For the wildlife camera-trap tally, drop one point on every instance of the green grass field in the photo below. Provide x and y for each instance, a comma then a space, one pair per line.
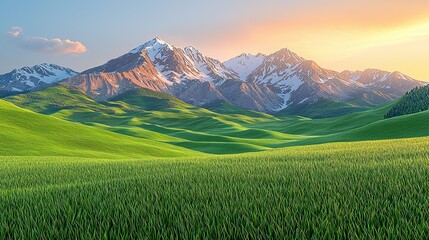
340, 190
145, 165
153, 116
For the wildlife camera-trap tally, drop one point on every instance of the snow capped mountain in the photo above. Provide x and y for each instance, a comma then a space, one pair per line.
173, 64
298, 80
259, 82
393, 83
177, 64
245, 64
153, 46
278, 69
374, 77
185, 73
28, 78
282, 71
301, 81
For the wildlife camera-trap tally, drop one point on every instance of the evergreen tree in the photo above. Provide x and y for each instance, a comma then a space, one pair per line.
417, 100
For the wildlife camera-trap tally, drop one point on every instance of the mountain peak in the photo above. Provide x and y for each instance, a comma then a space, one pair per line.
44, 66
155, 43
399, 75
158, 40
245, 64
194, 54
250, 55
48, 65
287, 56
245, 55
287, 52
192, 50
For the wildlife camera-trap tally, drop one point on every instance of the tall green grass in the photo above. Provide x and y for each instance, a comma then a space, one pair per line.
359, 190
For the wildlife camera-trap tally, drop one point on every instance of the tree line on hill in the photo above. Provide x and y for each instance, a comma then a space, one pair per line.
414, 101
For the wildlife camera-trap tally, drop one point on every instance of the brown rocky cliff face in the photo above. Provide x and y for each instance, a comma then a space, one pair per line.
103, 85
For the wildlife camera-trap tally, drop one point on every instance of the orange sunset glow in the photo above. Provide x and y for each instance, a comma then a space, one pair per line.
390, 35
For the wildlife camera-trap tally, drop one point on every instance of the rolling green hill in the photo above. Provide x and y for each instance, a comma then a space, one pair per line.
221, 129
323, 108
149, 100
151, 115
25, 133
60, 97
224, 107
414, 125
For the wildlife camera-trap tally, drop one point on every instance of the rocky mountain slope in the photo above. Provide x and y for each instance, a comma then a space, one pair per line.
185, 73
300, 81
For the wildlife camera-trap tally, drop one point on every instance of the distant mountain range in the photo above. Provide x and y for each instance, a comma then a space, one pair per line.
36, 77
267, 83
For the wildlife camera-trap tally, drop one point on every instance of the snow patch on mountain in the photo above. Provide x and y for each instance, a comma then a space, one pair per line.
245, 64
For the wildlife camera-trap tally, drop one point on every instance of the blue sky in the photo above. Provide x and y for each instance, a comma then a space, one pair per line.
338, 34
109, 28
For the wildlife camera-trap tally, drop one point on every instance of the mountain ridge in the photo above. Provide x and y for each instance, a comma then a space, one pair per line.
30, 78
267, 83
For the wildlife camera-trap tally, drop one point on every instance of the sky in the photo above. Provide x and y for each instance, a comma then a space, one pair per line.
391, 35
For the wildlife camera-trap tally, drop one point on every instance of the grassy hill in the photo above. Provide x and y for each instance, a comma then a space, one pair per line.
149, 100
224, 107
25, 133
159, 117
57, 98
323, 108
401, 127
148, 115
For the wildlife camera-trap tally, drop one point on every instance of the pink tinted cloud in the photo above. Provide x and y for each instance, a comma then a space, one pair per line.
45, 45
55, 45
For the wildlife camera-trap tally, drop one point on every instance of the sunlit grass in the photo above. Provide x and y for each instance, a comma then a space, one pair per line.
374, 189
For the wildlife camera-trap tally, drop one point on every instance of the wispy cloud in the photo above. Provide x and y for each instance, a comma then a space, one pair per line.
15, 32
45, 45
56, 45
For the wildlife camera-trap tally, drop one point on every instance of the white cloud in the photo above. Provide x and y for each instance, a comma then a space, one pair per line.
45, 45
15, 32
